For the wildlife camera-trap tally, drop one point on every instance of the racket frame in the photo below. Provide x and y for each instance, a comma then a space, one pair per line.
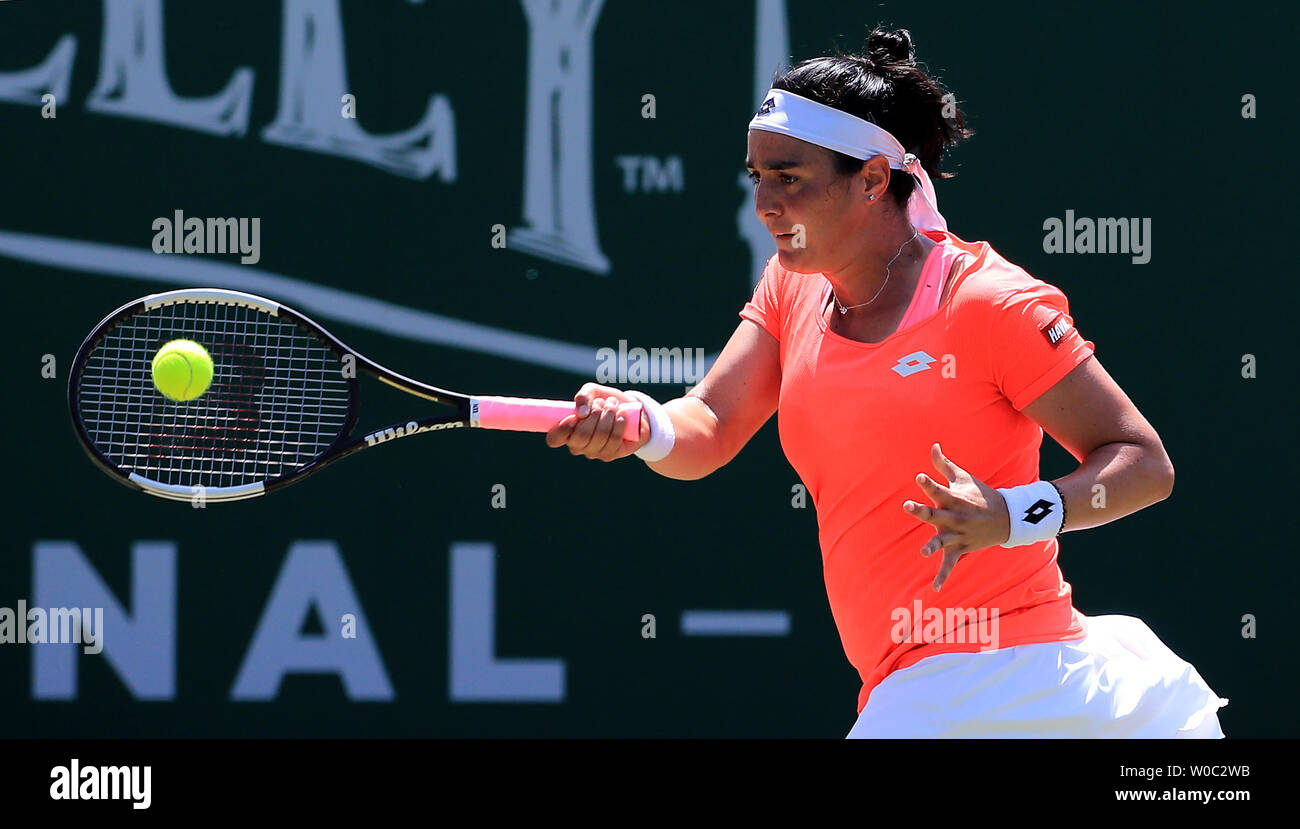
344, 445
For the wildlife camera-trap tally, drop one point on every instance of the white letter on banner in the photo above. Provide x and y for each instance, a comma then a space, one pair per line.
474, 672
313, 574
559, 213
313, 80
133, 78
141, 649
54, 74
771, 54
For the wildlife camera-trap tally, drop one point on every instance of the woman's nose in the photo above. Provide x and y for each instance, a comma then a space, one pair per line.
765, 202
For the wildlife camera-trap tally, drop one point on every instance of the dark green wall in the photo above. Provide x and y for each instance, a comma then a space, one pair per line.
1138, 116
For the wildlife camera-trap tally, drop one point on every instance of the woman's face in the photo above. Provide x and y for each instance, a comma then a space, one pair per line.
795, 185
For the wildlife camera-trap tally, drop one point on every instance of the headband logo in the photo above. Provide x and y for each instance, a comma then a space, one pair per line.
767, 106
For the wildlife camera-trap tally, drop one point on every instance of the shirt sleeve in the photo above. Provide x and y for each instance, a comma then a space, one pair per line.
764, 307
1034, 342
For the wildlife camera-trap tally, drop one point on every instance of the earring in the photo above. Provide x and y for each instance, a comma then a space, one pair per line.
872, 197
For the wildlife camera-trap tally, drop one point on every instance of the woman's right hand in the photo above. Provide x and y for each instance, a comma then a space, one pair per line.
598, 433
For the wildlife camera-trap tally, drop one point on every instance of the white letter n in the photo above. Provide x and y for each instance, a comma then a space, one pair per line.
142, 650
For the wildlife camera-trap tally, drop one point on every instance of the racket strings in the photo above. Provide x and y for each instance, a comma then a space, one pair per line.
278, 397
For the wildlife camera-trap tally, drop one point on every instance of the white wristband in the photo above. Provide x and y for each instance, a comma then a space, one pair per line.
1036, 512
662, 435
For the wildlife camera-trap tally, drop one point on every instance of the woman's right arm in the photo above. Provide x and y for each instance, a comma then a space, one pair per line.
713, 421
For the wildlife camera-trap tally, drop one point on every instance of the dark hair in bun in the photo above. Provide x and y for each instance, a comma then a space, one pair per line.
885, 86
894, 47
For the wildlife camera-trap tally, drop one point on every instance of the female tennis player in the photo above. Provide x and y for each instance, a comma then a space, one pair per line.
914, 373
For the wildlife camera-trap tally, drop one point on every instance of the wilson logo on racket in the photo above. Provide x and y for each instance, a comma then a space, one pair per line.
411, 428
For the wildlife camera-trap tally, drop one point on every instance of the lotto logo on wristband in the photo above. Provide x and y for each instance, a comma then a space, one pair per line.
1027, 507
1040, 510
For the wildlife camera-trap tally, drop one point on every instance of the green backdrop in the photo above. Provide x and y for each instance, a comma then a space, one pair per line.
1139, 116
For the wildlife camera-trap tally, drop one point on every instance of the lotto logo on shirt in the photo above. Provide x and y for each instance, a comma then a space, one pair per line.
912, 363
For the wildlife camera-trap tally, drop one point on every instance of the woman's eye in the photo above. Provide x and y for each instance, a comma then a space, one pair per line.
787, 179
753, 178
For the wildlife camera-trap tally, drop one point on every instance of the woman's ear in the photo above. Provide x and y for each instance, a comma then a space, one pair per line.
874, 177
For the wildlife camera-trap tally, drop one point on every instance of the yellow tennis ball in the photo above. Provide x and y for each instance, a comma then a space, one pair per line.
182, 370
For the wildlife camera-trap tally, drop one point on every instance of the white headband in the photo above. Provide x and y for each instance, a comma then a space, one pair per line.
834, 129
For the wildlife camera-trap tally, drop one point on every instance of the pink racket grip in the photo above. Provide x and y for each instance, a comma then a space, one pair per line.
522, 414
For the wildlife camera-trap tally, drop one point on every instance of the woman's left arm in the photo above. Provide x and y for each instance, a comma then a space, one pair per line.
1123, 469
1124, 466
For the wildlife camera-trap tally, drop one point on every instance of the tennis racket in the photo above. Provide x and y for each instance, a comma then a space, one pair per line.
282, 405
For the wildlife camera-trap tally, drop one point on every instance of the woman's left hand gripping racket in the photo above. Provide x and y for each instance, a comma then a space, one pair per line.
282, 403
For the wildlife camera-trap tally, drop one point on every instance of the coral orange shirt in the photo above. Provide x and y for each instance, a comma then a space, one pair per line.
857, 420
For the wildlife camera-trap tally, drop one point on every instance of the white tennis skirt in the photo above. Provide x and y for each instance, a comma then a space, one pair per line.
1120, 681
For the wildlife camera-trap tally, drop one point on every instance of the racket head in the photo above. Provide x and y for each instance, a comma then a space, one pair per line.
279, 403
